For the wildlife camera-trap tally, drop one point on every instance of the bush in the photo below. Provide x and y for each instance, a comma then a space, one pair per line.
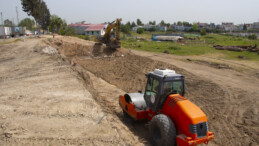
85, 37
203, 32
62, 32
140, 30
252, 37
152, 29
69, 31
174, 48
170, 30
125, 29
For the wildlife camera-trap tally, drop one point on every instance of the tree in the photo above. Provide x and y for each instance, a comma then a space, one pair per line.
154, 22
203, 32
179, 23
186, 24
27, 22
133, 24
195, 27
167, 25
162, 23
152, 29
69, 31
37, 9
139, 22
245, 27
8, 22
56, 23
140, 30
125, 28
170, 30
252, 37
128, 24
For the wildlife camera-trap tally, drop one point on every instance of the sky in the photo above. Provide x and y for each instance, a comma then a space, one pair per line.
99, 11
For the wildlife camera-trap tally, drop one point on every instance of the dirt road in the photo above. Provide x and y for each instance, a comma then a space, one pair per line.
45, 102
60, 99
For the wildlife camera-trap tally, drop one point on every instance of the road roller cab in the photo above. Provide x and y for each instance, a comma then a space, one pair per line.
173, 118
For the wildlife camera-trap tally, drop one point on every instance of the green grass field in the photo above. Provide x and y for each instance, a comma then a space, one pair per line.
202, 46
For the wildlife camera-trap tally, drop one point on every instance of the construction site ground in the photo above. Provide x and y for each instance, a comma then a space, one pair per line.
64, 91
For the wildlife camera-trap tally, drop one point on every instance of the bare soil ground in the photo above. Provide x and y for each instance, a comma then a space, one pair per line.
86, 80
45, 102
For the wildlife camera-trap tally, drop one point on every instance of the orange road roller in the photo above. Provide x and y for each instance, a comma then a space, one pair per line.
173, 119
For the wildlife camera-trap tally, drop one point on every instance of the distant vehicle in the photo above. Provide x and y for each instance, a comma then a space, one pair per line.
18, 31
29, 33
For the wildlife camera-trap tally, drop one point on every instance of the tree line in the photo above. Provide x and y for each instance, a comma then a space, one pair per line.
41, 14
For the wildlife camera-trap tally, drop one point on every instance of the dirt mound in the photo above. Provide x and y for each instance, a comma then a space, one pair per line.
86, 49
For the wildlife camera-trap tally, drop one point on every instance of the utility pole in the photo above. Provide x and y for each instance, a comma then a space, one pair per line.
17, 15
13, 22
3, 27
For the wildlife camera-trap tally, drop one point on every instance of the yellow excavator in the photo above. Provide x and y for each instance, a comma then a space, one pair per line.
111, 42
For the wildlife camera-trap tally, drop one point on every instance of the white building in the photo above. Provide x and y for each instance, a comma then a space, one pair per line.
5, 31
228, 26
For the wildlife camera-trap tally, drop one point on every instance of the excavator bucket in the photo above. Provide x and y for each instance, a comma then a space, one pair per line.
114, 44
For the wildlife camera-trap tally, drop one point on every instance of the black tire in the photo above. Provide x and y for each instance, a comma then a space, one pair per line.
125, 114
162, 131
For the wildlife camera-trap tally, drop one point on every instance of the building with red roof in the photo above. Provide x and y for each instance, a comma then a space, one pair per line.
89, 29
96, 29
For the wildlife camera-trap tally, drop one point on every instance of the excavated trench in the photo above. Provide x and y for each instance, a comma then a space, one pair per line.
125, 72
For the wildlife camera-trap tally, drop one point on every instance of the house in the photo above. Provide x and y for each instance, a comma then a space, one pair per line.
228, 26
240, 27
162, 28
203, 25
211, 26
219, 27
79, 28
249, 26
255, 26
157, 27
89, 29
96, 29
181, 28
